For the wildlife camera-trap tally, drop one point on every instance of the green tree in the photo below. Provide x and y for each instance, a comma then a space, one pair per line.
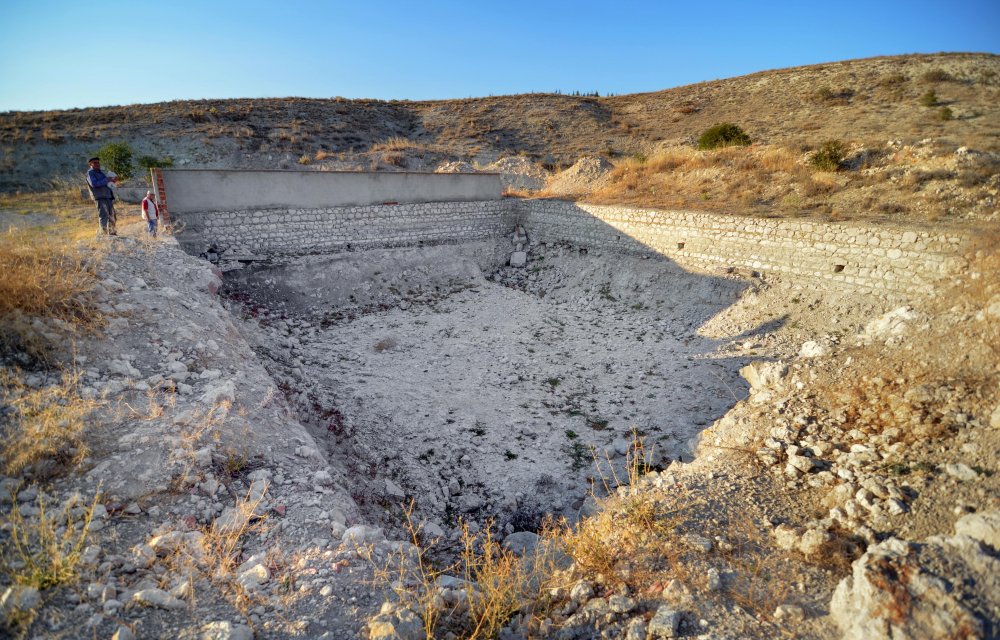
117, 157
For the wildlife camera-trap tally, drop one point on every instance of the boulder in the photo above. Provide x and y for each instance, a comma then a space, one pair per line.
942, 588
763, 374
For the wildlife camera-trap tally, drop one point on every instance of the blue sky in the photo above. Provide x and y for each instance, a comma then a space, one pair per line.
59, 54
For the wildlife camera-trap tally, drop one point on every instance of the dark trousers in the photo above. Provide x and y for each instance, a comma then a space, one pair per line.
106, 214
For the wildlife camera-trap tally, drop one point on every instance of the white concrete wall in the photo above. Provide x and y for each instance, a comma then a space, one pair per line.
194, 190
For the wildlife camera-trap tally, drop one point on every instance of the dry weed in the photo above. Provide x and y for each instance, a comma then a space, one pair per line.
212, 555
497, 583
44, 279
45, 424
44, 551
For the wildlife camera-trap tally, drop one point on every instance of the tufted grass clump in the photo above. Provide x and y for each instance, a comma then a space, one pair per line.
721, 135
496, 582
46, 289
45, 425
44, 551
829, 156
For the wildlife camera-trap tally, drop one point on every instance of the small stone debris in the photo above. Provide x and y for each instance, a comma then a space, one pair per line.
665, 623
157, 598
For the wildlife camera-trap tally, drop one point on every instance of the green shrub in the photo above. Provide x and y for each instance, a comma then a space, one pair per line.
946, 114
829, 156
929, 99
723, 135
936, 75
117, 157
149, 162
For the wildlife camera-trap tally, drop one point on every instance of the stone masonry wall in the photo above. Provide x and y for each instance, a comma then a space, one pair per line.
847, 256
842, 255
284, 232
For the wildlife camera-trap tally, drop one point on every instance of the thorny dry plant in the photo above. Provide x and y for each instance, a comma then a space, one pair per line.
47, 424
42, 551
495, 582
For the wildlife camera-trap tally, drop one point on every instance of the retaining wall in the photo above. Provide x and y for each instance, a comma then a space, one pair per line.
266, 233
842, 255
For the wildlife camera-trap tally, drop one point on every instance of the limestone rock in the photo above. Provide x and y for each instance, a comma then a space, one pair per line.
518, 259
19, 598
961, 472
123, 633
432, 531
984, 527
789, 613
665, 623
393, 491
225, 630
394, 623
521, 543
943, 588
763, 374
811, 349
157, 598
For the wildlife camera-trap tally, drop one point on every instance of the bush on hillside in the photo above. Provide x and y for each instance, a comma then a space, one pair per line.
117, 157
936, 75
723, 135
929, 99
829, 156
149, 162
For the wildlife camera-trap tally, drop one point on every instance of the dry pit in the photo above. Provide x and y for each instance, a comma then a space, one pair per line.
482, 392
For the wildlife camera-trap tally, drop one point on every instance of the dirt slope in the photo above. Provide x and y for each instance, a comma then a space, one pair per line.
857, 100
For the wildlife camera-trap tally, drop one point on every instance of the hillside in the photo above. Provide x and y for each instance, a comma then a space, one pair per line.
414, 442
864, 102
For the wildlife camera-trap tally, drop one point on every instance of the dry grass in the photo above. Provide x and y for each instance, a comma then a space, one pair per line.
497, 583
917, 387
46, 291
44, 424
41, 551
44, 551
209, 558
776, 180
639, 540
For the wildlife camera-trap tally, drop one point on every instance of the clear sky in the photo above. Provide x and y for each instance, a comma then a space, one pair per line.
60, 54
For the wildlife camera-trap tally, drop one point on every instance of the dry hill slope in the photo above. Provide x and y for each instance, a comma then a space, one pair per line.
858, 100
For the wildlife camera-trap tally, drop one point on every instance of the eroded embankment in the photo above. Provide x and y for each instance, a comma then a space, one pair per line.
485, 393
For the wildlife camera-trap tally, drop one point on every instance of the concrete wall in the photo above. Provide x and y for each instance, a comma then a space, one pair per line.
847, 256
267, 233
219, 190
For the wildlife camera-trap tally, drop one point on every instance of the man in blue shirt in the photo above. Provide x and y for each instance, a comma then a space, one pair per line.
98, 182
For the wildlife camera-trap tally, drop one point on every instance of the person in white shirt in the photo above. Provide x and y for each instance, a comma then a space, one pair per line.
150, 212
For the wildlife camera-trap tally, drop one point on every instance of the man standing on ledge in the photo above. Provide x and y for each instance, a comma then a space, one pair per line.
103, 196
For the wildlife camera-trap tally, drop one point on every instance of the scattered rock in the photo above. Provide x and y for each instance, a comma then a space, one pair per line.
157, 598
665, 623
225, 630
395, 623
960, 471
